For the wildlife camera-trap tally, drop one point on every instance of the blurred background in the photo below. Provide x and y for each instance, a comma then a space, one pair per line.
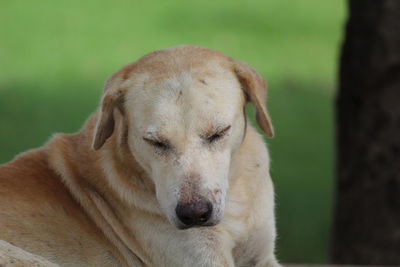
56, 55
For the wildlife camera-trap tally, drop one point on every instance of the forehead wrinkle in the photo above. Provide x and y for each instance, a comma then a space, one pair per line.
173, 85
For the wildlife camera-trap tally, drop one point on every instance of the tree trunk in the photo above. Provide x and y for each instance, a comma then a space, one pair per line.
367, 212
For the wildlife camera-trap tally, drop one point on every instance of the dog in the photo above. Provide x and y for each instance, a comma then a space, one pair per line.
167, 172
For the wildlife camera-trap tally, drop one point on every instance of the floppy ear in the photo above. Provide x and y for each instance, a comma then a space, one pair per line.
254, 87
105, 122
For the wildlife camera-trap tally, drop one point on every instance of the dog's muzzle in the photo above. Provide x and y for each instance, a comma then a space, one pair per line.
194, 213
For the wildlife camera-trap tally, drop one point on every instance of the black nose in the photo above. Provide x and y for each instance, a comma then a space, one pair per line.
194, 213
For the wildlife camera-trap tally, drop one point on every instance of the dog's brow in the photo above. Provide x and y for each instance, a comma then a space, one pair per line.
151, 132
154, 134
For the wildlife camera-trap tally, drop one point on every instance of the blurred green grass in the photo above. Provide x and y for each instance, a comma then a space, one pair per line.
55, 56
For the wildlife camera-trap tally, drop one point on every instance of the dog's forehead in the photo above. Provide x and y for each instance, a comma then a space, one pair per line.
186, 95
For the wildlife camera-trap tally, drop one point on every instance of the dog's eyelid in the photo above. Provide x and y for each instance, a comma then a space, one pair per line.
157, 142
221, 130
225, 129
218, 134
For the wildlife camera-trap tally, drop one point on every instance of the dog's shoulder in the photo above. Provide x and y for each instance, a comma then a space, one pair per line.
26, 173
30, 188
39, 214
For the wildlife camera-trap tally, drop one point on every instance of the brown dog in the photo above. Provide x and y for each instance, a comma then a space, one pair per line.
166, 173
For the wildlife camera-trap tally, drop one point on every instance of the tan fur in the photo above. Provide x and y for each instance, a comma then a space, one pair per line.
106, 197
16, 257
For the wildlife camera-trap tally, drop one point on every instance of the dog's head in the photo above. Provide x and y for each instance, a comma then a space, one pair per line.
184, 110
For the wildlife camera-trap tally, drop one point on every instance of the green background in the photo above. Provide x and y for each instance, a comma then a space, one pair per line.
55, 56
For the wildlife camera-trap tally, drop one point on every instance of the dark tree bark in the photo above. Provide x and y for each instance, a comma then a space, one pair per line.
367, 212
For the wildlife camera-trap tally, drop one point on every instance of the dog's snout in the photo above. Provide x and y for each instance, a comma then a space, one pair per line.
194, 213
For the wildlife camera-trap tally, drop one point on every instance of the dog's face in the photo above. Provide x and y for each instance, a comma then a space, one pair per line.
184, 113
184, 128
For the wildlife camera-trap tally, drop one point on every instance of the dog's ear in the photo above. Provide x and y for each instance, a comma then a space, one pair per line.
112, 98
254, 87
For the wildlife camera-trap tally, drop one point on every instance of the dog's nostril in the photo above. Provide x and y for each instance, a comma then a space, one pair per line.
206, 215
186, 220
194, 213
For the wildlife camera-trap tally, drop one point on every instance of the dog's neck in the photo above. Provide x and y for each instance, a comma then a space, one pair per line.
109, 183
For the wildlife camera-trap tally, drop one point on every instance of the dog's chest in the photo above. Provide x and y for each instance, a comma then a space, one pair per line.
164, 245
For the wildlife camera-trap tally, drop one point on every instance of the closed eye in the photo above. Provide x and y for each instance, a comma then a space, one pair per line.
159, 144
217, 135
